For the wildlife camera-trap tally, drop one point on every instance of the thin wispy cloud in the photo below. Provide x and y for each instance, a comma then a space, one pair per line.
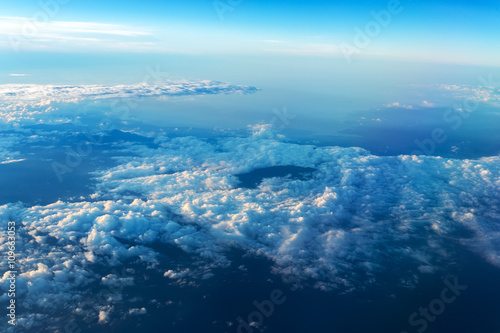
16, 25
316, 49
27, 33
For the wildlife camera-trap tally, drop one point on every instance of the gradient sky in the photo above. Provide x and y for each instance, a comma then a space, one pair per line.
464, 32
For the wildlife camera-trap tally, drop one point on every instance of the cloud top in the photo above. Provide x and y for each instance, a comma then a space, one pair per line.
36, 92
354, 218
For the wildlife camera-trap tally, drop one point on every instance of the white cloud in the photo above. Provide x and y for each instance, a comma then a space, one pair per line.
471, 94
27, 33
12, 161
340, 228
399, 105
137, 312
65, 93
8, 153
355, 216
41, 104
424, 104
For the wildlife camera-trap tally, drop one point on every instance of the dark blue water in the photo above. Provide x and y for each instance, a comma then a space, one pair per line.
59, 167
209, 305
253, 178
397, 131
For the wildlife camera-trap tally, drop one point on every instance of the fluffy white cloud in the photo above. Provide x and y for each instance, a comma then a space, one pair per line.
487, 92
320, 226
32, 104
68, 93
353, 217
351, 220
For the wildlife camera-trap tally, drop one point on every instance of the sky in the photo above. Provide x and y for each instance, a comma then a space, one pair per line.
125, 128
463, 32
320, 60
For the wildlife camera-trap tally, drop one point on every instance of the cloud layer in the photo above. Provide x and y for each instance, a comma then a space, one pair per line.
60, 93
357, 216
29, 104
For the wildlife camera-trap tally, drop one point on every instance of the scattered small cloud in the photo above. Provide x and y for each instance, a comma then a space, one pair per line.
399, 105
12, 161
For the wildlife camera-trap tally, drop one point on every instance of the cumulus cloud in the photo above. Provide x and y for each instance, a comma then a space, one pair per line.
339, 228
462, 97
317, 222
486, 92
137, 312
425, 104
60, 93
30, 104
399, 105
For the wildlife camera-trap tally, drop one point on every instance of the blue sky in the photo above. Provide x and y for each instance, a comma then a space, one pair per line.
464, 32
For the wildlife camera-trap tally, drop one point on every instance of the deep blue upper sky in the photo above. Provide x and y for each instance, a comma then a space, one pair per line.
448, 31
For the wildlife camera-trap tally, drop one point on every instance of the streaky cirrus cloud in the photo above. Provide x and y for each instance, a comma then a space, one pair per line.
27, 26
26, 33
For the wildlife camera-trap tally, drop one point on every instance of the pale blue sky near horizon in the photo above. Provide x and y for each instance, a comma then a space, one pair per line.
289, 50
